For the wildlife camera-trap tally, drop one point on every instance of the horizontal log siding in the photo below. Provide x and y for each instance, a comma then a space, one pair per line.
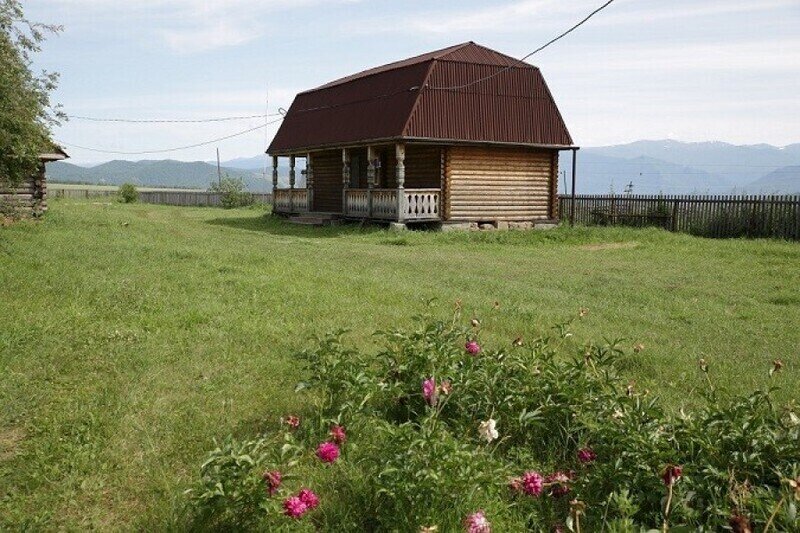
499, 184
327, 168
423, 169
28, 197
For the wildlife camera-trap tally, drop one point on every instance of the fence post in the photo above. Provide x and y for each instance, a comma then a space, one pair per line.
572, 206
674, 222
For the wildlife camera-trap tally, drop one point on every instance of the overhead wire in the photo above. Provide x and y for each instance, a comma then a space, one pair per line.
283, 112
548, 43
175, 149
177, 120
464, 86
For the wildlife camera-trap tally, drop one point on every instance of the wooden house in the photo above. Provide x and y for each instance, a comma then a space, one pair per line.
29, 197
458, 136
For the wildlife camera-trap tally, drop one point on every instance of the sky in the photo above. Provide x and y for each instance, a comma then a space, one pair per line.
689, 70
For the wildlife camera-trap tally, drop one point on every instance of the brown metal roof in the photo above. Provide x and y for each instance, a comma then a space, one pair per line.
421, 98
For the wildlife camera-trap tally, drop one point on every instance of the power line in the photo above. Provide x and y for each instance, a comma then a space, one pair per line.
457, 87
165, 150
548, 43
162, 121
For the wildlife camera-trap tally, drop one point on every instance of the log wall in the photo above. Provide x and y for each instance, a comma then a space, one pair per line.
327, 167
27, 198
500, 184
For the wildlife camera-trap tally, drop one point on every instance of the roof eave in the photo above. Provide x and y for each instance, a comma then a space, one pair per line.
426, 140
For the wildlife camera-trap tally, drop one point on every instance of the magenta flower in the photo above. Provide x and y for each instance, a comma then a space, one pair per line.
586, 455
532, 483
473, 348
429, 391
273, 481
477, 523
671, 474
309, 498
294, 507
328, 452
338, 434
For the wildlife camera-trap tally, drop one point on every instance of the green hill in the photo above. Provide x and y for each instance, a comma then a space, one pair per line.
165, 173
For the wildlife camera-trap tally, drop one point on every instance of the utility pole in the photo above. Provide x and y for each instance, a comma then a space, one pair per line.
219, 170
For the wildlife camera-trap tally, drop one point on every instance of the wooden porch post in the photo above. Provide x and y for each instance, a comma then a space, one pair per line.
345, 178
274, 180
400, 154
292, 176
372, 156
309, 183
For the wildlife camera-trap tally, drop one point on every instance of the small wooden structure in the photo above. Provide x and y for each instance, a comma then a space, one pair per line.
30, 196
460, 135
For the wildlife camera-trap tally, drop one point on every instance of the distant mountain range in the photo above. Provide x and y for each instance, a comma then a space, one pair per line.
646, 167
674, 167
166, 173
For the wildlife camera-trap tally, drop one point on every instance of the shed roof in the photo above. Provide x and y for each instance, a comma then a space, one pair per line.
422, 98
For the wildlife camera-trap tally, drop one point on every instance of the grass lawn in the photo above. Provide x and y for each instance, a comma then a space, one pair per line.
131, 335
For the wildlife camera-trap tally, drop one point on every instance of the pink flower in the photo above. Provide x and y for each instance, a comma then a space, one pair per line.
472, 348
559, 483
477, 523
671, 474
532, 483
338, 434
273, 481
328, 452
294, 507
293, 421
429, 391
309, 498
586, 455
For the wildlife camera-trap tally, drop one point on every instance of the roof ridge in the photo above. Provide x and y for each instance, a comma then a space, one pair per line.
510, 59
394, 65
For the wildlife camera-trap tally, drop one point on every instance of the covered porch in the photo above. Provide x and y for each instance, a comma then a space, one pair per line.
387, 182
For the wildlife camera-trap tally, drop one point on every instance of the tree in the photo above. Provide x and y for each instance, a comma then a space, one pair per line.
232, 192
26, 113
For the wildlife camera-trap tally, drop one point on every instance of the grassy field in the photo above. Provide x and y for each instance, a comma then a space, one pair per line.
131, 335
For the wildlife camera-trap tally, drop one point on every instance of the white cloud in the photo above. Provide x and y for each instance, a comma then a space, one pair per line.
522, 15
185, 26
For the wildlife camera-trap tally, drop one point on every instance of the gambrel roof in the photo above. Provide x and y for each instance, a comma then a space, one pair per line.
431, 97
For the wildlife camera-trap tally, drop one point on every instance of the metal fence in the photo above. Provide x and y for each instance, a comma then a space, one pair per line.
181, 198
707, 216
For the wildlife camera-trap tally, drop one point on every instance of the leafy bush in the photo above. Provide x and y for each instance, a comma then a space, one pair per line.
128, 193
533, 435
232, 192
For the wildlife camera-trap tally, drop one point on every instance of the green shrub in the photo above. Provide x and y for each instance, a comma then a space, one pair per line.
232, 193
128, 193
535, 434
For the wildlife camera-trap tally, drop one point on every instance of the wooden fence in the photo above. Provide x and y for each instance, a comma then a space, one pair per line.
182, 198
707, 216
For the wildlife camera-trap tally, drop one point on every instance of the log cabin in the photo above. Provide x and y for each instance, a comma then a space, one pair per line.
460, 136
29, 197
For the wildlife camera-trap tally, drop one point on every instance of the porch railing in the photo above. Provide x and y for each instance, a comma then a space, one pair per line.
291, 201
421, 204
415, 204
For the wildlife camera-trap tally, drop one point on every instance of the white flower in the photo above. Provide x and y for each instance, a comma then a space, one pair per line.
488, 430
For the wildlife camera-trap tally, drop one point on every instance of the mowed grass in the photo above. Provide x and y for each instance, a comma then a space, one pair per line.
132, 335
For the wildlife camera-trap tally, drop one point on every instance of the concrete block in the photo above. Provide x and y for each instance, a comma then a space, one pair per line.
456, 226
397, 226
545, 225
